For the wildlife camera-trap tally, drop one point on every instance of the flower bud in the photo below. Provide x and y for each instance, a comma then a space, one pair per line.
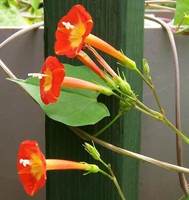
124, 86
91, 168
111, 82
105, 90
92, 151
146, 69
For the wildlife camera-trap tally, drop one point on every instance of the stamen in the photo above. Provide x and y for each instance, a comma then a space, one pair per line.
68, 25
24, 162
37, 75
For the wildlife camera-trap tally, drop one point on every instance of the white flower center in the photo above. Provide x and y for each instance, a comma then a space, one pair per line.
68, 25
24, 162
37, 75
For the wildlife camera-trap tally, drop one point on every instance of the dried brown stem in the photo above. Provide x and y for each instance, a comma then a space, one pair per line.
179, 148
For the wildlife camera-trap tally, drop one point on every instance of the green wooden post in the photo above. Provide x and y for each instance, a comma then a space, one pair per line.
121, 24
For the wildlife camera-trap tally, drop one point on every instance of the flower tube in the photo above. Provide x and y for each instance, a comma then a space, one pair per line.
74, 32
53, 79
102, 62
87, 61
103, 46
71, 82
32, 166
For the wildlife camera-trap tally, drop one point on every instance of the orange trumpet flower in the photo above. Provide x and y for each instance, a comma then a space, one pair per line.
53, 79
32, 166
72, 30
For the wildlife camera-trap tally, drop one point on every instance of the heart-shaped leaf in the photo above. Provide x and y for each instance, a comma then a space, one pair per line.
74, 107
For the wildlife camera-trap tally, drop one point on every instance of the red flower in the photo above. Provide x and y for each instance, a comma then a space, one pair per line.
31, 167
72, 30
53, 76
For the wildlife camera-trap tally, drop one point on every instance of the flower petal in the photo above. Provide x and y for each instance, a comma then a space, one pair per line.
50, 85
72, 30
31, 167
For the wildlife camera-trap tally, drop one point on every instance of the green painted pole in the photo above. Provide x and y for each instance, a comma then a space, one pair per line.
121, 24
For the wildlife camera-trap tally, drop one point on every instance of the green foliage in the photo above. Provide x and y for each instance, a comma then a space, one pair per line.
9, 16
182, 10
84, 73
19, 13
35, 4
184, 198
74, 107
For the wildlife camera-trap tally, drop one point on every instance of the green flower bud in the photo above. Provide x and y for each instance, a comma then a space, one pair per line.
92, 151
105, 90
111, 83
146, 69
93, 168
127, 62
124, 86
90, 168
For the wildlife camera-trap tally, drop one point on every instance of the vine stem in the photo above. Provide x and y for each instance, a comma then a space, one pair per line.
153, 5
105, 174
160, 117
113, 178
7, 70
143, 77
109, 124
146, 112
102, 61
179, 133
160, 1
149, 110
157, 99
179, 148
21, 32
152, 87
165, 165
30, 16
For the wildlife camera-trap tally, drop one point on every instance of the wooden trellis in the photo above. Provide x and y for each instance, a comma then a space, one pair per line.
121, 24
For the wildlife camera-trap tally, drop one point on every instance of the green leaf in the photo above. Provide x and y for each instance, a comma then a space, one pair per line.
84, 73
35, 4
17, 13
182, 9
13, 3
74, 107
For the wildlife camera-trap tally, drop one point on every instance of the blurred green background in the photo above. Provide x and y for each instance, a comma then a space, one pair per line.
20, 12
